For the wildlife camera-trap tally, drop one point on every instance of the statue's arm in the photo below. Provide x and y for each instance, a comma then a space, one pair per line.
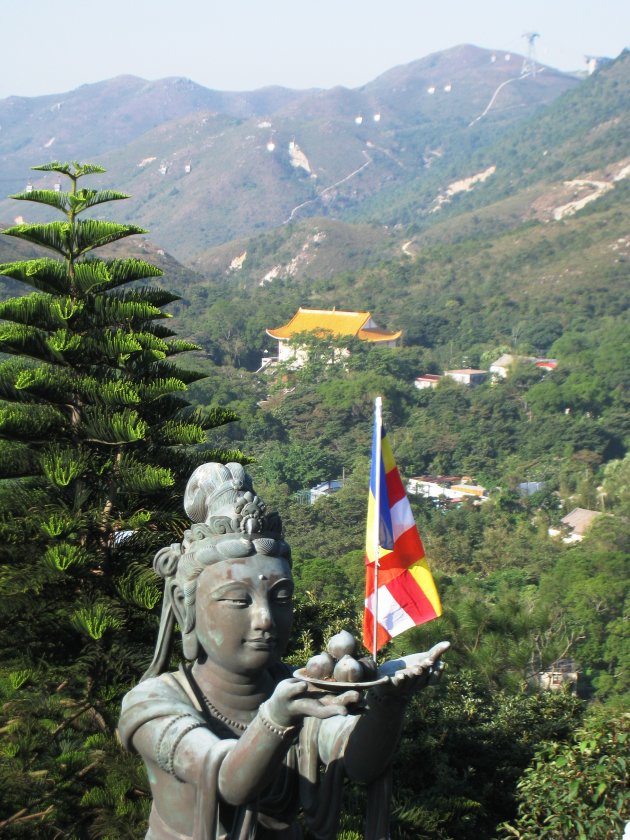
251, 763
373, 741
183, 747
159, 722
172, 736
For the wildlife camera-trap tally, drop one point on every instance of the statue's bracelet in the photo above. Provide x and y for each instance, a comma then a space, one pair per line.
271, 726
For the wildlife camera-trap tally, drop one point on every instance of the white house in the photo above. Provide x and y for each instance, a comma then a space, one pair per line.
563, 672
428, 380
452, 487
467, 376
501, 368
503, 365
326, 488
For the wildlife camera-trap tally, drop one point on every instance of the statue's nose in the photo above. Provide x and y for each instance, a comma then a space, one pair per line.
262, 616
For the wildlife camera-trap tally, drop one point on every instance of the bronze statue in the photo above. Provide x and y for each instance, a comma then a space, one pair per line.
234, 745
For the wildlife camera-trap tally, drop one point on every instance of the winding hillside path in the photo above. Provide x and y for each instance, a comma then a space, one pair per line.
367, 163
496, 93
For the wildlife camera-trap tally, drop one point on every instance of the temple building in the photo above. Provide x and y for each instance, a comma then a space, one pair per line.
323, 322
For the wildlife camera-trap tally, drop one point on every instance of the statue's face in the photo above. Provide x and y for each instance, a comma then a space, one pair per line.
244, 612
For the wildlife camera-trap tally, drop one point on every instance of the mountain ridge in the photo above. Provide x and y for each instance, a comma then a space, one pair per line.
271, 156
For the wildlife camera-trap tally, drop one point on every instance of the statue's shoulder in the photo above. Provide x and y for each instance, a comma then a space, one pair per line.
165, 687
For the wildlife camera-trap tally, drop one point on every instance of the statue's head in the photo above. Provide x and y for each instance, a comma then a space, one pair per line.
228, 583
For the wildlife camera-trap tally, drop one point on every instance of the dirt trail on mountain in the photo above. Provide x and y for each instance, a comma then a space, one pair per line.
328, 189
496, 93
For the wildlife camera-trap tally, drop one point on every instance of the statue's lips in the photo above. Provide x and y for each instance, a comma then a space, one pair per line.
261, 644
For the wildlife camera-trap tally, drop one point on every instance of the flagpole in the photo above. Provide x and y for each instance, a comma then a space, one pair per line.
377, 455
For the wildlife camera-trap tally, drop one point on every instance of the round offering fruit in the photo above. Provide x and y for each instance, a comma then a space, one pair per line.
348, 670
369, 668
320, 666
342, 644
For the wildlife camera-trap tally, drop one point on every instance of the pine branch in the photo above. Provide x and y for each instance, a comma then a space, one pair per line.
45, 274
66, 723
73, 170
23, 816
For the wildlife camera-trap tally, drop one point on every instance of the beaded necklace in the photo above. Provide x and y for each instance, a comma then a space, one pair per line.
209, 708
234, 724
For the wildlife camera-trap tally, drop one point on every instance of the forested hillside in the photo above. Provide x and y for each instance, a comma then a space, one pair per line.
518, 264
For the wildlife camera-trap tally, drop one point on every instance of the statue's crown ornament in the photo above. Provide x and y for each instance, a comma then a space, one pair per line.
220, 499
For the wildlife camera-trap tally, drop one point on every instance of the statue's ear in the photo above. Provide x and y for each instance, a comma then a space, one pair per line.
179, 606
185, 617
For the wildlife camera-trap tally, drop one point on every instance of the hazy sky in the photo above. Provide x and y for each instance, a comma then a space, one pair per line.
53, 47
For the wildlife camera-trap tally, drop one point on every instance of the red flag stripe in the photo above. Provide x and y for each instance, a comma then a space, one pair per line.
411, 598
408, 549
395, 489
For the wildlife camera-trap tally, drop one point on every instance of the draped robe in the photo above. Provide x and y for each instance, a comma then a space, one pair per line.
310, 777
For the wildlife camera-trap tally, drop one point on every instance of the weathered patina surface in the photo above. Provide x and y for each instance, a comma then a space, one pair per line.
234, 745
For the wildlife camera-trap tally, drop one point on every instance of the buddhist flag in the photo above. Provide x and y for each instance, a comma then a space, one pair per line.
399, 589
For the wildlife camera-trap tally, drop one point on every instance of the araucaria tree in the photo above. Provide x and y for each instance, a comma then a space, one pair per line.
96, 442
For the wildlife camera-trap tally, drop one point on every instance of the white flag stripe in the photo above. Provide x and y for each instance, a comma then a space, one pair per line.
390, 614
402, 517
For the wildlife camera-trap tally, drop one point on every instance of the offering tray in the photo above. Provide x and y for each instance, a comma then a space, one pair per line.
334, 686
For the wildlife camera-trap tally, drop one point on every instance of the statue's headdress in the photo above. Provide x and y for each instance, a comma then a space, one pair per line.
222, 497
228, 521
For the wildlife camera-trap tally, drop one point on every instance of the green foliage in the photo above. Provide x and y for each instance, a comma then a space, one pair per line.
315, 621
97, 441
463, 750
578, 789
589, 592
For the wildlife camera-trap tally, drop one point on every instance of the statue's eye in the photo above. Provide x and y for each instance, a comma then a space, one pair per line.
236, 597
283, 595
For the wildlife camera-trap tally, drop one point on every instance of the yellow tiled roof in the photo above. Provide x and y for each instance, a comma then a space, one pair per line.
335, 321
375, 334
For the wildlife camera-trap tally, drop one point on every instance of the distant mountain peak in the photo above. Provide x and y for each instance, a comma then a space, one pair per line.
229, 164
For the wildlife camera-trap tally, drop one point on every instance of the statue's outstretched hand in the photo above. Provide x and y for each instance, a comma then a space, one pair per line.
412, 673
294, 700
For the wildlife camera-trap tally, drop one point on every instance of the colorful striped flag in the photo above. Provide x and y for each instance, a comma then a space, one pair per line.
399, 587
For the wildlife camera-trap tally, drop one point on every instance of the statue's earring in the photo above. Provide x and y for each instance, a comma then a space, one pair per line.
190, 645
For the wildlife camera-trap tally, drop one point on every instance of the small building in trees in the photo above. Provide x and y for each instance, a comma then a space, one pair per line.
321, 323
505, 364
427, 380
528, 488
449, 488
559, 676
471, 377
501, 367
326, 488
574, 525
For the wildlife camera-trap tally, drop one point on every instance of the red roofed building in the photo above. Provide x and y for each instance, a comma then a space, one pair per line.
427, 380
